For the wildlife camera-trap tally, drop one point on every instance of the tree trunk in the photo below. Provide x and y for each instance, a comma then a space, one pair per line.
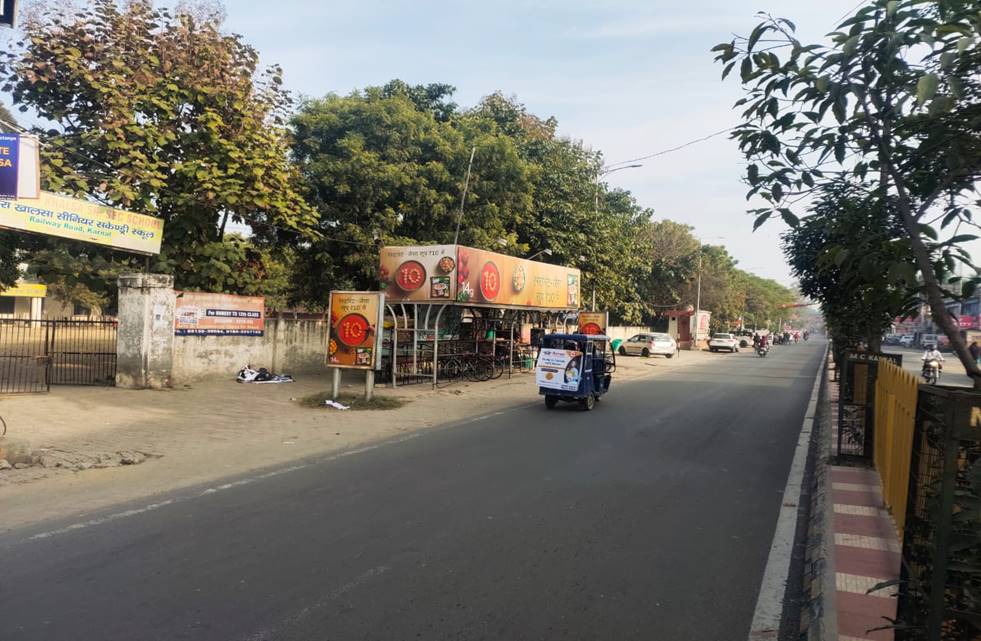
933, 293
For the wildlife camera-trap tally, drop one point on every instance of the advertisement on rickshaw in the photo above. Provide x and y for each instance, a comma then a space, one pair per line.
355, 322
593, 323
559, 369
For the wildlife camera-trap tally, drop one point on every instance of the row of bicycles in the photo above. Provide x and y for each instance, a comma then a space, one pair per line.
477, 367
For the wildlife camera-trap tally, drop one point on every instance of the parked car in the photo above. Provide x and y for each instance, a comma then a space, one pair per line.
744, 336
906, 340
723, 341
649, 344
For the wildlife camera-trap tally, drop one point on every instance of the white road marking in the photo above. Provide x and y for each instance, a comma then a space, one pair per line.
773, 589
275, 632
252, 479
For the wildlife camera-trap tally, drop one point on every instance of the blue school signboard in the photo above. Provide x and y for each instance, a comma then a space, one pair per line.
9, 155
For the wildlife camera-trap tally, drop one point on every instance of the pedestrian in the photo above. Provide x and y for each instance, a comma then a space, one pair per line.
975, 352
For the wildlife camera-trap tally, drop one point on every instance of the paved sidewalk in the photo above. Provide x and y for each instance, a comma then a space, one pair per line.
867, 550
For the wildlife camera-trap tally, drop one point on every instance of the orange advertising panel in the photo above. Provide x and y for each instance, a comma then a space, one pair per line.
448, 273
418, 273
489, 278
355, 321
206, 314
593, 322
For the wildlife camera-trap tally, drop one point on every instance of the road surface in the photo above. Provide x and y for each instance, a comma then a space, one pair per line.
953, 370
649, 518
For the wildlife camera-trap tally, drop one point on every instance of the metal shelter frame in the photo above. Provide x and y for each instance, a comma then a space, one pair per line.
425, 322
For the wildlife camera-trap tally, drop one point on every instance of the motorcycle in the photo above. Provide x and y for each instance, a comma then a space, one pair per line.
931, 372
761, 351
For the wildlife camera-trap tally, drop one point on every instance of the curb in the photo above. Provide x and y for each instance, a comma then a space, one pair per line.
819, 617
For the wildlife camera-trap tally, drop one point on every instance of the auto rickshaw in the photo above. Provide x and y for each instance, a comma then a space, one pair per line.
574, 368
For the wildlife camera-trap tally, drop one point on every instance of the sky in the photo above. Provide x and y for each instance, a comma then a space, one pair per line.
627, 78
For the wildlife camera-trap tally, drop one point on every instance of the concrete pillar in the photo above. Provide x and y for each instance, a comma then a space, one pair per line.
37, 308
145, 337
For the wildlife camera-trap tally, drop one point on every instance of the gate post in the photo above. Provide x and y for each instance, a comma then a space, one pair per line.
145, 336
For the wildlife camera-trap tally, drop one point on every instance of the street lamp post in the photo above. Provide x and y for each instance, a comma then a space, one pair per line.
546, 251
602, 173
698, 287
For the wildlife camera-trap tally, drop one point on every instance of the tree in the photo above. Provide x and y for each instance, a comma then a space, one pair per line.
894, 98
162, 113
837, 254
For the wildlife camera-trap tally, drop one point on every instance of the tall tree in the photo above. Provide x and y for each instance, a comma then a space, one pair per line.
163, 113
895, 96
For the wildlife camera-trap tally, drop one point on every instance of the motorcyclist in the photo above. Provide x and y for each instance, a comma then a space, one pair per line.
933, 354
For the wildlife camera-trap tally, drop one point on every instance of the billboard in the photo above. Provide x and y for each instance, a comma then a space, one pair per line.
29, 290
20, 166
356, 319
76, 219
424, 273
593, 322
446, 273
206, 314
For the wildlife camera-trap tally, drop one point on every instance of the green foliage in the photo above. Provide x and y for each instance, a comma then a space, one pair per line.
164, 114
852, 256
894, 97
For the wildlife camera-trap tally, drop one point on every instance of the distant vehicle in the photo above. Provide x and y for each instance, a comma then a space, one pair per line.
723, 342
928, 339
906, 341
649, 344
891, 339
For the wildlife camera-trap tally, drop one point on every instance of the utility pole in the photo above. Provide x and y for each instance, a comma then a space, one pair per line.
463, 197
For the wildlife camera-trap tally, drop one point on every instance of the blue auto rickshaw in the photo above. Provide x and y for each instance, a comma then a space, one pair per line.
574, 368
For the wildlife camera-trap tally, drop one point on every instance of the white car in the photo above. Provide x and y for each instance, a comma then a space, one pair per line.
723, 341
649, 344
906, 341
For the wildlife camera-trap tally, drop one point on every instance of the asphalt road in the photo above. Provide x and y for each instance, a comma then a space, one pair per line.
954, 373
649, 518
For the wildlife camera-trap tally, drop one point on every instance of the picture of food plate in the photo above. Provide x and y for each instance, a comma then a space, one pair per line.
410, 276
446, 264
353, 329
490, 281
519, 278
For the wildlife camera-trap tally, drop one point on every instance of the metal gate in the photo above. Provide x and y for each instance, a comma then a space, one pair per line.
36, 354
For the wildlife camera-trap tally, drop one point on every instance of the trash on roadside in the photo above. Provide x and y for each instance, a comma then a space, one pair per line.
261, 375
336, 405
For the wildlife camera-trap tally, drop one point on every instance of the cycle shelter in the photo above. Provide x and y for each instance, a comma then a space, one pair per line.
456, 312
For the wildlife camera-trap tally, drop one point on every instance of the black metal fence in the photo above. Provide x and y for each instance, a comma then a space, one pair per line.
36, 354
856, 403
940, 589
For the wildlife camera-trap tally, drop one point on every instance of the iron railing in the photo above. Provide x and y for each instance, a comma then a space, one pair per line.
36, 354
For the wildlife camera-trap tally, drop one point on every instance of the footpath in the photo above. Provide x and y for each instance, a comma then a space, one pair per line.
853, 546
95, 447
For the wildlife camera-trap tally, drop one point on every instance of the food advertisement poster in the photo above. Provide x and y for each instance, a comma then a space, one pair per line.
207, 314
418, 273
593, 322
559, 369
356, 319
55, 215
436, 273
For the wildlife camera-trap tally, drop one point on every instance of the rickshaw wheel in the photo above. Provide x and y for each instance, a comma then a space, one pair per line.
551, 402
588, 403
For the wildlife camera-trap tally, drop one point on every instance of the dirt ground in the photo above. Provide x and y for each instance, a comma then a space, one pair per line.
214, 430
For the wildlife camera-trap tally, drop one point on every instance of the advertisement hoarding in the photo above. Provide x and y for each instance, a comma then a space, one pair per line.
593, 322
446, 273
207, 314
356, 319
559, 369
76, 219
28, 290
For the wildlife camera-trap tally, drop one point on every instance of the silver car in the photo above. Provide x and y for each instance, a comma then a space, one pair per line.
649, 344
